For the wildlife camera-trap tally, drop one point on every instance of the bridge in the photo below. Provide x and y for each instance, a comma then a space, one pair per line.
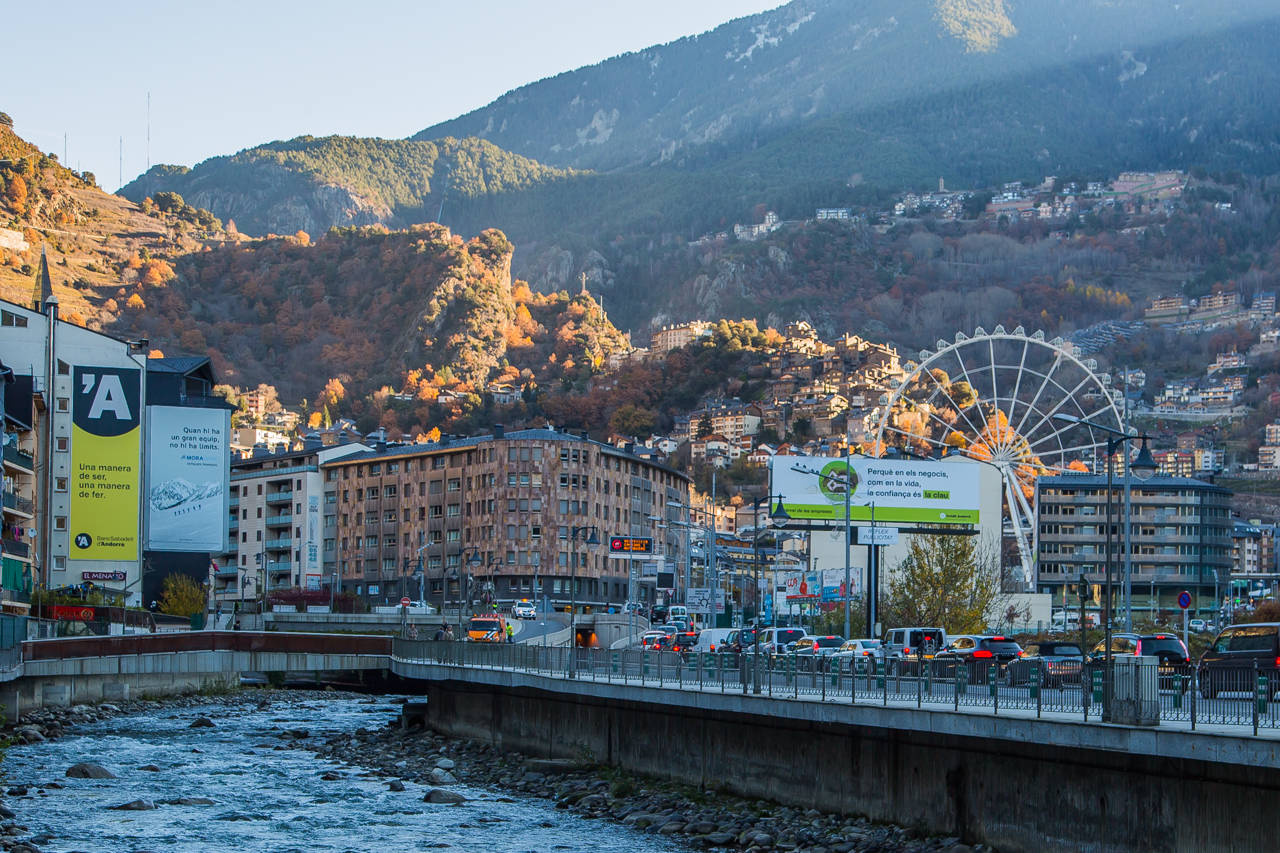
116, 668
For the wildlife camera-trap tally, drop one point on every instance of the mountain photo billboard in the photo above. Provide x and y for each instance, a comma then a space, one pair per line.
189, 468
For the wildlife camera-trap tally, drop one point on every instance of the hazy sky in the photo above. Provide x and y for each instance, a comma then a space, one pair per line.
225, 76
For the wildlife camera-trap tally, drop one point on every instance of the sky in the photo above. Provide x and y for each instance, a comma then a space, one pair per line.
227, 76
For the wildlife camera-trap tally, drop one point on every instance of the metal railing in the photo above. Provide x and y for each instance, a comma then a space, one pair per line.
16, 457
1231, 696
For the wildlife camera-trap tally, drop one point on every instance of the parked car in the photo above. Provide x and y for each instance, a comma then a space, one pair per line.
524, 609
902, 643
1173, 659
1060, 663
774, 641
862, 648
977, 651
1227, 665
1199, 626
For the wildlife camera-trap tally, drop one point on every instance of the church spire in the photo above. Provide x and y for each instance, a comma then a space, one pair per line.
42, 291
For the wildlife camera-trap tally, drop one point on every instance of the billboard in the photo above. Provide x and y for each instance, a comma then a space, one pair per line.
106, 448
906, 491
188, 468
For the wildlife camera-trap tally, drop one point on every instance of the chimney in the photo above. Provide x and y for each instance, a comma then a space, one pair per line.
499, 431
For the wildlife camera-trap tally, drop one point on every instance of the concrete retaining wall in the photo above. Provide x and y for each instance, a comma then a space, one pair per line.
1017, 784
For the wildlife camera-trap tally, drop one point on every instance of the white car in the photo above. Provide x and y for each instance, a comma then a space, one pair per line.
524, 610
870, 649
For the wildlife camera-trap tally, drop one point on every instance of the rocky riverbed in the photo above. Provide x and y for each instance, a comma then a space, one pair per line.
444, 771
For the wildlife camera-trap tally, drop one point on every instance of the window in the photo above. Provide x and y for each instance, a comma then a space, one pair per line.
375, 468
389, 491
64, 404
17, 321
455, 484
59, 484
393, 467
61, 443
244, 536
537, 480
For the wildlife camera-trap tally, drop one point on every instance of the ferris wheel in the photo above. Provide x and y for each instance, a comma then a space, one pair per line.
995, 397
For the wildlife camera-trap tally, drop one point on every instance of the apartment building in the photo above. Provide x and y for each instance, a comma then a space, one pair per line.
1180, 531
496, 515
18, 440
274, 523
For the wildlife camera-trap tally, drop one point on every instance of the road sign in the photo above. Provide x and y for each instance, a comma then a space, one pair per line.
698, 599
877, 535
1184, 599
630, 545
404, 602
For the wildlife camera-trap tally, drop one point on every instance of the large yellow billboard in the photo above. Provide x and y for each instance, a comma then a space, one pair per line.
106, 444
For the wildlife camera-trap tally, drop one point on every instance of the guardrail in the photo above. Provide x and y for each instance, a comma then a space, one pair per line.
1239, 696
193, 641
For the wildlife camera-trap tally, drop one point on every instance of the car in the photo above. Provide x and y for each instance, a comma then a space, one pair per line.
650, 639
863, 648
524, 609
684, 641
977, 651
714, 639
1060, 663
774, 641
1173, 660
1227, 665
902, 643
1200, 626
822, 645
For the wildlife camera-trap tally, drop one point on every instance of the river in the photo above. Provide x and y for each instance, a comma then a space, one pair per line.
266, 798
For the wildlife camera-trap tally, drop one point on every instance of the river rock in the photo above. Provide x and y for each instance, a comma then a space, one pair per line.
150, 768
445, 764
29, 734
135, 806
719, 839
201, 723
442, 797
89, 771
441, 777
188, 801
331, 776
395, 785
548, 766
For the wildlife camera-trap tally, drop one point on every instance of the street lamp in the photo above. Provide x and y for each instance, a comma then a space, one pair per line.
473, 560
1143, 467
778, 516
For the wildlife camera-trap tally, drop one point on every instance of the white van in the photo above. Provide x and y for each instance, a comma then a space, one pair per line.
712, 639
678, 613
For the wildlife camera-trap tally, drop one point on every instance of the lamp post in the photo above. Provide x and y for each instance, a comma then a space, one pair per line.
589, 536
778, 516
1143, 467
473, 560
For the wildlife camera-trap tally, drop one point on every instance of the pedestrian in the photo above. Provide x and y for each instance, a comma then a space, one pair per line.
511, 633
448, 633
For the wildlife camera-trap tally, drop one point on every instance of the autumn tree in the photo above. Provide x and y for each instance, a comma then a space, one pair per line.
944, 581
17, 191
182, 596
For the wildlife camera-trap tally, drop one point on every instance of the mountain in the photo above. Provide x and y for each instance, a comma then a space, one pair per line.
312, 184
107, 253
752, 79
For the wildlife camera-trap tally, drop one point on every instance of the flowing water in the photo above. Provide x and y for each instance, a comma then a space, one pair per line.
266, 798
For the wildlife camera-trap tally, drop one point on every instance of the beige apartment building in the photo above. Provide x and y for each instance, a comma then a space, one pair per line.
499, 518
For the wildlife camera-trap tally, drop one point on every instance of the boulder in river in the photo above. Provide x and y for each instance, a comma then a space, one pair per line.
85, 770
150, 768
442, 797
441, 777
395, 785
135, 806
201, 723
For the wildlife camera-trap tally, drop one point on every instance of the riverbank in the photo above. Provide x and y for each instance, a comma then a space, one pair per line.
705, 819
447, 768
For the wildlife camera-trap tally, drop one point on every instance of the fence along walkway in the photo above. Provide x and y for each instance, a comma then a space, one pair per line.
1189, 697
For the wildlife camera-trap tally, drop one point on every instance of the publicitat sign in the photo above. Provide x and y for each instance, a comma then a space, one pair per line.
904, 491
106, 446
189, 464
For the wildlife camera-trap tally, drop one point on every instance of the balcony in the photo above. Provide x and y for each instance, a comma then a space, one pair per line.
16, 548
278, 544
284, 519
18, 504
15, 457
233, 503
281, 497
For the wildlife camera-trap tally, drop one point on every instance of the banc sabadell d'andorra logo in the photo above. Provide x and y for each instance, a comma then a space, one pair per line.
836, 476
